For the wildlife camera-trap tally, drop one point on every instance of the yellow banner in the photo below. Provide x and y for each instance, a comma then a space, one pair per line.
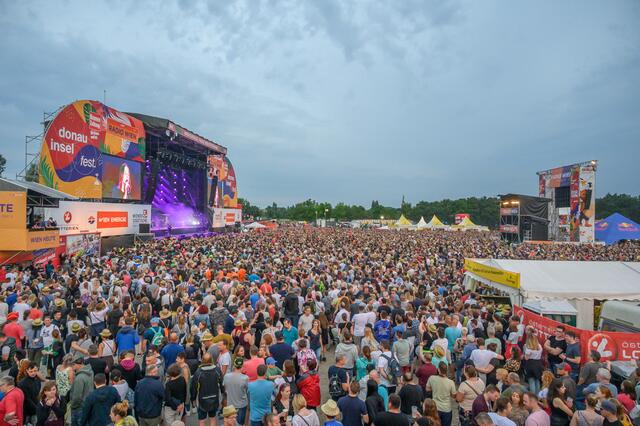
508, 278
22, 239
13, 210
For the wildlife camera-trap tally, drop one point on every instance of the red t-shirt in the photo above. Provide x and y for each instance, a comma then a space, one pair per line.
12, 403
35, 313
15, 330
250, 368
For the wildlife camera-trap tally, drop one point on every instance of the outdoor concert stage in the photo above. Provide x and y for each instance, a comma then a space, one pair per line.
125, 174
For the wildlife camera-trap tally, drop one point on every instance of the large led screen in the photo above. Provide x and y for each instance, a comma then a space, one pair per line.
121, 179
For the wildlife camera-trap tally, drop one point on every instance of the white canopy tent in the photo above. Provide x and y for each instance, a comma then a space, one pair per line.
577, 282
255, 225
422, 223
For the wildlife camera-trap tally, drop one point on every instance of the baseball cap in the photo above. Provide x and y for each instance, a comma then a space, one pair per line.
564, 366
609, 406
238, 362
271, 361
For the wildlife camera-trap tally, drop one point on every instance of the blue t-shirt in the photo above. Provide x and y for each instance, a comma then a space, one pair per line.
260, 393
170, 353
290, 335
333, 423
452, 334
254, 300
352, 409
573, 351
281, 352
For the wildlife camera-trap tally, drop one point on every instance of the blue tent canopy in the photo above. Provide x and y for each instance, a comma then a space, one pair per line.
615, 228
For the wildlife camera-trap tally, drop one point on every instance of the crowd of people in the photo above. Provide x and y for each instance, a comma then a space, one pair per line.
234, 328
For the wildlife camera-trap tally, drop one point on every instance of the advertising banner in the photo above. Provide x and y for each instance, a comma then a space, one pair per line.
612, 346
79, 217
80, 245
121, 179
587, 204
226, 217
71, 158
13, 210
459, 217
508, 278
509, 229
37, 240
229, 186
574, 233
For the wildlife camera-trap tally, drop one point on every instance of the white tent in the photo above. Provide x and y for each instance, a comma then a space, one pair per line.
255, 225
436, 223
578, 282
422, 223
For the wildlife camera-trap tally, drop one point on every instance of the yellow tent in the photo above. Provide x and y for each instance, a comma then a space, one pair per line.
435, 221
466, 222
403, 221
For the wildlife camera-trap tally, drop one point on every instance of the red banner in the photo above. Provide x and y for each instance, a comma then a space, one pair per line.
614, 346
113, 219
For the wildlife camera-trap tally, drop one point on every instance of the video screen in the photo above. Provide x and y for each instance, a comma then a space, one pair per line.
121, 179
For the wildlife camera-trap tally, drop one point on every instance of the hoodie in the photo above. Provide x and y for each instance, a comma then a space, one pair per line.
81, 387
130, 372
127, 339
97, 406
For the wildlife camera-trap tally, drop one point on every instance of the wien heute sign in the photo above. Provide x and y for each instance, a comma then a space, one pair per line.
612, 346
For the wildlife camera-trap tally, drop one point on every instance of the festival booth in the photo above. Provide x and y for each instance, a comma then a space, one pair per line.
580, 283
616, 228
255, 225
467, 225
403, 223
422, 224
26, 235
436, 223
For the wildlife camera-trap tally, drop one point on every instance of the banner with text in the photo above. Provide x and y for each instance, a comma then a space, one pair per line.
614, 346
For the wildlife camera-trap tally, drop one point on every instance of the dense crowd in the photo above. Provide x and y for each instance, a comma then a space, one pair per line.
235, 327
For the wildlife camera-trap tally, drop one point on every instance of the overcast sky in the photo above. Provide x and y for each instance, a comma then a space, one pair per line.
347, 101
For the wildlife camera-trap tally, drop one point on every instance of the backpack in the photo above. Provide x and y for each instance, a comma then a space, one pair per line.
207, 385
335, 387
158, 337
393, 368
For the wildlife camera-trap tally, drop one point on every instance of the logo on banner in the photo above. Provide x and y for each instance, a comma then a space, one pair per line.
113, 220
91, 220
605, 346
67, 217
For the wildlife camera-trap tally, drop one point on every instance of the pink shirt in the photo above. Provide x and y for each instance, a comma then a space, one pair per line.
250, 368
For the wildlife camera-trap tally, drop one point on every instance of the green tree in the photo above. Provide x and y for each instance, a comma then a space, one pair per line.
31, 175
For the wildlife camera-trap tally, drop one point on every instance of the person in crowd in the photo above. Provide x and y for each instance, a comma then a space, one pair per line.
501, 416
96, 408
260, 392
149, 396
354, 411
443, 390
589, 416
537, 415
236, 384
559, 404
51, 408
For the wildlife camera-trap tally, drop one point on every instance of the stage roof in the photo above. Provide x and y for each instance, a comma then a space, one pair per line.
163, 125
22, 186
540, 279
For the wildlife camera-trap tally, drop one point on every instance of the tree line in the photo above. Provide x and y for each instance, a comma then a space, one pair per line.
483, 210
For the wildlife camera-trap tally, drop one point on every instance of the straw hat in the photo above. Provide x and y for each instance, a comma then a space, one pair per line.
164, 314
433, 328
330, 408
37, 322
105, 333
75, 327
439, 351
229, 410
206, 337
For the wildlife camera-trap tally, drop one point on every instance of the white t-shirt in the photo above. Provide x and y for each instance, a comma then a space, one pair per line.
20, 308
498, 420
225, 359
482, 357
382, 366
360, 320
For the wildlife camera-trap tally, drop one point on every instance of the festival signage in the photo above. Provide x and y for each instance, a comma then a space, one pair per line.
80, 217
612, 346
509, 229
71, 158
508, 278
229, 186
13, 210
226, 217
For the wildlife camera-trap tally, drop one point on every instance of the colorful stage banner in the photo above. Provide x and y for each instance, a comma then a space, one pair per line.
229, 186
612, 346
71, 159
